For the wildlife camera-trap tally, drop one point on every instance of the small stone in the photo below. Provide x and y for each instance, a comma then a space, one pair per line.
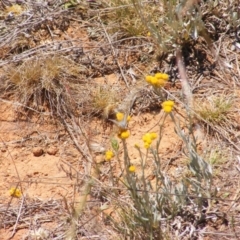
37, 151
3, 149
52, 150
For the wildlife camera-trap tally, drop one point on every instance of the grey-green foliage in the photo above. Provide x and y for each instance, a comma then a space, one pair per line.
168, 199
200, 167
175, 23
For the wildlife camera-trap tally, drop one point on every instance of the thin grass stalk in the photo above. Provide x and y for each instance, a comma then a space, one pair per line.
71, 233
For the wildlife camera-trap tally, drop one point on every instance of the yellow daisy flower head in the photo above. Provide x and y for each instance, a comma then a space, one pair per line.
109, 155
15, 192
148, 34
132, 169
154, 81
153, 135
167, 109
121, 120
119, 116
147, 138
162, 76
158, 80
158, 75
160, 83
165, 76
124, 134
147, 145
148, 78
168, 106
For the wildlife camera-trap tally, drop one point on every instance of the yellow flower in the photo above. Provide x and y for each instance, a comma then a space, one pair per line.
168, 106
154, 81
119, 116
148, 79
167, 109
147, 138
124, 134
158, 80
169, 103
162, 76
15, 192
148, 34
109, 155
161, 83
165, 76
158, 75
132, 169
153, 135
147, 145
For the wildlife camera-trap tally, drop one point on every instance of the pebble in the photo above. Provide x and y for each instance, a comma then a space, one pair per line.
52, 150
37, 151
3, 149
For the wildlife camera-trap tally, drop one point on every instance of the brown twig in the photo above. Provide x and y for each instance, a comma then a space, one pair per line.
184, 79
18, 217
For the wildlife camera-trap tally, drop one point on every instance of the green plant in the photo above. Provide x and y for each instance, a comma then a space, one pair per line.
176, 24
155, 205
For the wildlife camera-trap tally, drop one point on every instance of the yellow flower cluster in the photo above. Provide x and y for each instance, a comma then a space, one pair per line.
158, 80
148, 138
132, 169
15, 192
120, 117
124, 134
168, 106
109, 155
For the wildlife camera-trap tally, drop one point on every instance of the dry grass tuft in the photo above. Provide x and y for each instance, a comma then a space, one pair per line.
218, 114
104, 100
215, 109
128, 23
42, 210
44, 81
